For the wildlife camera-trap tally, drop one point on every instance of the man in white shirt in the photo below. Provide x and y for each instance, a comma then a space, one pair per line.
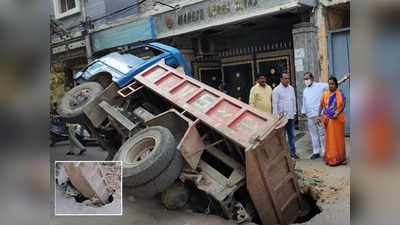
311, 101
284, 103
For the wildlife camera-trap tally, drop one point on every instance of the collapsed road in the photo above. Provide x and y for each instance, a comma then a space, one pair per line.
88, 188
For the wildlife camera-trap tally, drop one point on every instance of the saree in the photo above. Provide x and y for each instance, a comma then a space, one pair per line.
335, 152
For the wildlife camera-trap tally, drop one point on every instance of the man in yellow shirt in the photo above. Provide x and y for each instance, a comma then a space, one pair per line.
261, 95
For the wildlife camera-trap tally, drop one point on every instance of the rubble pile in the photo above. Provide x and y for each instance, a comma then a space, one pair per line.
313, 182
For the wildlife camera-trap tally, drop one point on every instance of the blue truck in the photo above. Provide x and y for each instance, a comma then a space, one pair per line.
119, 68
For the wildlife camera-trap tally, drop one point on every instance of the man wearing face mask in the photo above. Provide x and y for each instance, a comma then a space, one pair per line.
311, 100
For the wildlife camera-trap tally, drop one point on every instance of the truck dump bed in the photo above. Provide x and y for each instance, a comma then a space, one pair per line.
271, 181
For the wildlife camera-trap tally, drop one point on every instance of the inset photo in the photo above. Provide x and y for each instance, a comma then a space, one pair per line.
88, 188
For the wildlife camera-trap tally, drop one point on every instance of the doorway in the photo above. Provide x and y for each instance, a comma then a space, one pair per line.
238, 79
211, 76
273, 68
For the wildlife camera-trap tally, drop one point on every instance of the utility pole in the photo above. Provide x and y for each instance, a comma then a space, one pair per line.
86, 33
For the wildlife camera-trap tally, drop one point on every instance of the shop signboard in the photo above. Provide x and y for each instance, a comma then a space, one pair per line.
218, 12
139, 30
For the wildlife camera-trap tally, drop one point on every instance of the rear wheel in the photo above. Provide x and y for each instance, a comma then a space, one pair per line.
162, 181
146, 154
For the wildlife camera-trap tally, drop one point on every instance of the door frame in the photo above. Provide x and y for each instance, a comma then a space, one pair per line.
198, 66
331, 69
258, 61
279, 54
240, 63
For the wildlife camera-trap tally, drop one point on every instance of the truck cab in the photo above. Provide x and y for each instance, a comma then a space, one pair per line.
121, 67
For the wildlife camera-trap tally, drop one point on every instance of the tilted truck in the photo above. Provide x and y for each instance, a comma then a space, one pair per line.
119, 68
171, 126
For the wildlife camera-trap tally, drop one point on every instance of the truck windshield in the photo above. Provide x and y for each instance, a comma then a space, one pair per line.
145, 52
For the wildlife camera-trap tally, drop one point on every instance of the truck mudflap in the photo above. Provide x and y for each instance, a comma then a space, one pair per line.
271, 180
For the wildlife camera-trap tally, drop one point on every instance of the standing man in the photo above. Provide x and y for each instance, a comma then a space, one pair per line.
284, 104
261, 94
74, 143
311, 101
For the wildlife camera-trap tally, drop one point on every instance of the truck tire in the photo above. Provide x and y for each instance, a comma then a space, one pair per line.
146, 154
162, 182
75, 100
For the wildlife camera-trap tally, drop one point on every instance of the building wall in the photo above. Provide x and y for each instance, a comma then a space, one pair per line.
97, 9
114, 5
258, 37
321, 21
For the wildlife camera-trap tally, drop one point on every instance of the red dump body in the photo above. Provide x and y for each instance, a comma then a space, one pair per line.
270, 178
232, 118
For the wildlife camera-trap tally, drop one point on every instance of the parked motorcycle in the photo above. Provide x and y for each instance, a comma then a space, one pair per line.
59, 132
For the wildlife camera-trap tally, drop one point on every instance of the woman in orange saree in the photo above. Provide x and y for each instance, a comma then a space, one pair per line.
332, 105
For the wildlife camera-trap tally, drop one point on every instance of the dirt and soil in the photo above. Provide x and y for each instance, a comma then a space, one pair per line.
329, 186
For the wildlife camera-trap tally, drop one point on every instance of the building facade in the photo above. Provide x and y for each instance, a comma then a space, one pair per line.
225, 41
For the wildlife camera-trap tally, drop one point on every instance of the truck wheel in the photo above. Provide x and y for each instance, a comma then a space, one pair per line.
75, 100
162, 182
146, 154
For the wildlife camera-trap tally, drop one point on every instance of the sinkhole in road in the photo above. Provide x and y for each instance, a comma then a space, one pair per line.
71, 191
310, 208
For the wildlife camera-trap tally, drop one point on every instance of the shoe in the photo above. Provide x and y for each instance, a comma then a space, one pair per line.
295, 156
314, 156
82, 151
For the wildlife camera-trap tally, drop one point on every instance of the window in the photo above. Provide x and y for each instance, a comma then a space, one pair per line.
145, 52
64, 8
67, 5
